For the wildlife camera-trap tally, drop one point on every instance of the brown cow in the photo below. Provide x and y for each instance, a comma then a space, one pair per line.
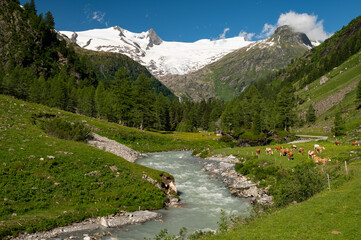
337, 143
278, 148
311, 154
355, 144
294, 147
300, 150
290, 156
325, 160
258, 151
283, 152
317, 159
320, 149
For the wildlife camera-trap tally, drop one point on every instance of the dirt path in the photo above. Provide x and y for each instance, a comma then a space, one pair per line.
308, 138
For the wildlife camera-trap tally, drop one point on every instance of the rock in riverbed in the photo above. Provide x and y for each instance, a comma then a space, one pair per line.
239, 185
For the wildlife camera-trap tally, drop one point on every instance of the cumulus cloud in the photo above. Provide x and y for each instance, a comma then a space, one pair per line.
223, 35
305, 23
300, 22
247, 36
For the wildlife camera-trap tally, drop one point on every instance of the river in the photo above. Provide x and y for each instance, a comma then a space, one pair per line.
202, 199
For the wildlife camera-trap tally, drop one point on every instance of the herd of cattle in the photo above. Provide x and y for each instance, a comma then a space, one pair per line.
311, 153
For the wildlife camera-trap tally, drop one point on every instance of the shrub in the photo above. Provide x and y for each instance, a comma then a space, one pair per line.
63, 129
225, 138
299, 185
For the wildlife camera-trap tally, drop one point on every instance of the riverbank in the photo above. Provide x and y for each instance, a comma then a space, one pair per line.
91, 224
223, 169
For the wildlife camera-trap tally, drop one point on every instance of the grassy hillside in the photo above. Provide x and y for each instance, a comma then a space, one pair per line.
337, 94
47, 182
320, 217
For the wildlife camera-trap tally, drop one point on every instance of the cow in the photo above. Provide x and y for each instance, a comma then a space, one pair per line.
315, 146
294, 147
300, 150
355, 144
321, 160
269, 151
320, 149
325, 160
290, 156
311, 154
278, 148
337, 143
283, 152
258, 151
287, 150
317, 159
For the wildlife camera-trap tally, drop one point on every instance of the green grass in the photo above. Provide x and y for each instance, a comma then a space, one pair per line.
40, 193
340, 153
316, 218
339, 78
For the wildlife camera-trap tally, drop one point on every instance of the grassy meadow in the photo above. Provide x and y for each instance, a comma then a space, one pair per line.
47, 182
331, 214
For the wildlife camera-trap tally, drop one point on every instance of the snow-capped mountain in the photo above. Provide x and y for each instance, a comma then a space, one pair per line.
160, 57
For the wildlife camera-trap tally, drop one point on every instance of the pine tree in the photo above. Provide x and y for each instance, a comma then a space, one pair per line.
100, 100
144, 97
123, 96
161, 107
284, 106
86, 101
338, 124
311, 115
358, 95
49, 20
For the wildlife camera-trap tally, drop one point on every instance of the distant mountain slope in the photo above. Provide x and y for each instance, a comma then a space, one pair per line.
160, 57
322, 59
230, 75
105, 65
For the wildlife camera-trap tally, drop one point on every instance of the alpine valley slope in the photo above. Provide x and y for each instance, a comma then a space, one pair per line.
230, 75
160, 57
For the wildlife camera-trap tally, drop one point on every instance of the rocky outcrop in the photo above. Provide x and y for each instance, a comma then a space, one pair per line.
114, 147
168, 187
325, 104
239, 185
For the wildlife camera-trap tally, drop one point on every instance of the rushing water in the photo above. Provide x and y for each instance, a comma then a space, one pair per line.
202, 199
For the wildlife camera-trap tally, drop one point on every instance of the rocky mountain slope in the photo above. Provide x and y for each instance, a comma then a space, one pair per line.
230, 75
160, 57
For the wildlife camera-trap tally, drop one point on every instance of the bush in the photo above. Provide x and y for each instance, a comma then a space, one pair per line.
225, 138
63, 129
303, 183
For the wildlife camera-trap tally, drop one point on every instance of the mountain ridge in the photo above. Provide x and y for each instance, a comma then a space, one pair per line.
230, 75
160, 57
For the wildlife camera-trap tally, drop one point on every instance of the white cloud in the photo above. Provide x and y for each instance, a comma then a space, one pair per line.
247, 36
223, 35
268, 30
98, 16
300, 22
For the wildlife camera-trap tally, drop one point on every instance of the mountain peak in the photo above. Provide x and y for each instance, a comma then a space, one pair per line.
154, 39
286, 34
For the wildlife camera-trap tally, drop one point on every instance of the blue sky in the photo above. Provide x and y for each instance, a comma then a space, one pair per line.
191, 20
